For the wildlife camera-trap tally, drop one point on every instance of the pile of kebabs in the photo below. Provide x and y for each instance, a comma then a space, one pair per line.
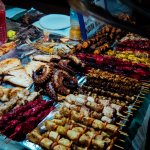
12, 98
93, 52
23, 119
109, 82
101, 42
115, 65
83, 122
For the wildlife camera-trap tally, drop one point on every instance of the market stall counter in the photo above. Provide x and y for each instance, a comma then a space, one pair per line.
57, 93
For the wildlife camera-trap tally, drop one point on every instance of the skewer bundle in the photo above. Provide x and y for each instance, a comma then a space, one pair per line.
101, 91
83, 122
101, 42
18, 99
22, 120
113, 85
88, 106
110, 63
67, 134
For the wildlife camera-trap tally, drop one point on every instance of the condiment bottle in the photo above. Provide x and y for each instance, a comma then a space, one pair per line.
75, 33
3, 31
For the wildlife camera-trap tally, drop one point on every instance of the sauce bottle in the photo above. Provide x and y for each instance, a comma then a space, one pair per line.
3, 31
75, 33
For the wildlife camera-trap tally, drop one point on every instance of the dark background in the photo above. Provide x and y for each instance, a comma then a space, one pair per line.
46, 6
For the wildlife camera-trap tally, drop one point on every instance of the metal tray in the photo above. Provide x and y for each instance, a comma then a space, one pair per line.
23, 52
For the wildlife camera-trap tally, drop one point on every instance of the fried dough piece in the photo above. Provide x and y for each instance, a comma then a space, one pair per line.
13, 92
4, 94
7, 93
6, 47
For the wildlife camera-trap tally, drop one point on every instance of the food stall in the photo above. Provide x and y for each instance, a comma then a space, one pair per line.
58, 93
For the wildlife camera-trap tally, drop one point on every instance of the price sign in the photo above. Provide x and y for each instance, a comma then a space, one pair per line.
88, 25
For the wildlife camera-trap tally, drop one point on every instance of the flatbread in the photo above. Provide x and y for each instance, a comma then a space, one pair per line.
8, 64
45, 58
19, 77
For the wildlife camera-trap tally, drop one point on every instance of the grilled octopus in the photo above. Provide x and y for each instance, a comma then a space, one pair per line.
65, 65
54, 77
42, 74
51, 91
59, 77
71, 64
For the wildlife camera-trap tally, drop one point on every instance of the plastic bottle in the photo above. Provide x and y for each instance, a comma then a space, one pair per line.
3, 31
75, 33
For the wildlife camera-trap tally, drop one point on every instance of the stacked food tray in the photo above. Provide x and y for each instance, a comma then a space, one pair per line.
98, 95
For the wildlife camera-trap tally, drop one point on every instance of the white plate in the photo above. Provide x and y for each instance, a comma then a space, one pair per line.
55, 21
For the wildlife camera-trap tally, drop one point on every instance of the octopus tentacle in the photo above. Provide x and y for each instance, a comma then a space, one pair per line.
51, 91
71, 84
64, 64
58, 78
53, 65
42, 74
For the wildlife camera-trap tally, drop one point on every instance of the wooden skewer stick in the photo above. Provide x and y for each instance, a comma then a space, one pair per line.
124, 119
134, 109
141, 96
120, 115
146, 90
143, 83
120, 124
118, 146
138, 101
136, 105
121, 140
147, 84
128, 113
146, 87
123, 133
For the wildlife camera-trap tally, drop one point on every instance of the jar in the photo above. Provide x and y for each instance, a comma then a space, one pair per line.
75, 32
3, 31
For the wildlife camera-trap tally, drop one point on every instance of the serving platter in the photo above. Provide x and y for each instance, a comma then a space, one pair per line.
55, 21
